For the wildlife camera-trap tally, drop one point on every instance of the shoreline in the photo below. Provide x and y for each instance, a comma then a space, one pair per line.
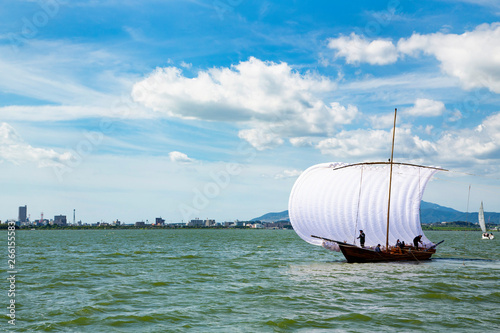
29, 228
166, 227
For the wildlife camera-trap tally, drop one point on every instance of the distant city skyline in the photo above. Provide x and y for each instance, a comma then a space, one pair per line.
185, 109
61, 219
430, 213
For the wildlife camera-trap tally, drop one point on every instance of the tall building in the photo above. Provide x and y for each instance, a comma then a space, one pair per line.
196, 223
23, 213
60, 220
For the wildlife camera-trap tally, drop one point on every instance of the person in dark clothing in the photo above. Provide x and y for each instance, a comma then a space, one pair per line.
399, 246
377, 249
361, 238
417, 240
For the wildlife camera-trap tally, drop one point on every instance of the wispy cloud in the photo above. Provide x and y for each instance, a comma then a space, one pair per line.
288, 174
15, 150
119, 108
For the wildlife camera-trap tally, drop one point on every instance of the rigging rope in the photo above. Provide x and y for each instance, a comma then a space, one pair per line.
357, 211
419, 190
459, 182
473, 174
418, 261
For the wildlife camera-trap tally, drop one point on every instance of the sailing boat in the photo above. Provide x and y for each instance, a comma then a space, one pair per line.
480, 217
330, 202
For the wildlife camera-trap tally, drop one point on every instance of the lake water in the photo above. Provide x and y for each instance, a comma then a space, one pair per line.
244, 281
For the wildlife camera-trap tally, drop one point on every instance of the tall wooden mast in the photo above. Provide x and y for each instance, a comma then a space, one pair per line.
390, 181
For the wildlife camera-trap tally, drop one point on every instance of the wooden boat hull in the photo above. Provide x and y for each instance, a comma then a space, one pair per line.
355, 254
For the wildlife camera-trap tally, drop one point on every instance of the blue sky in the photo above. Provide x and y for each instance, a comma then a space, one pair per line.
132, 110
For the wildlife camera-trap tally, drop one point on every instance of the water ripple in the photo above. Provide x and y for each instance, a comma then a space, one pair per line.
246, 281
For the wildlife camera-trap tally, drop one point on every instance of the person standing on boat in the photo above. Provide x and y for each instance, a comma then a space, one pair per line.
417, 240
361, 238
377, 249
399, 246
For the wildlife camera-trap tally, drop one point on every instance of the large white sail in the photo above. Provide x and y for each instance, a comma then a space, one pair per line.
336, 200
481, 218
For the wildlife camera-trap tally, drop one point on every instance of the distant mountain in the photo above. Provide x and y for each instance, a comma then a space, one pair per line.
273, 217
428, 205
429, 213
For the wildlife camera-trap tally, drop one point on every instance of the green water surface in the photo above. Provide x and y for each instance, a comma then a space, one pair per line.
243, 281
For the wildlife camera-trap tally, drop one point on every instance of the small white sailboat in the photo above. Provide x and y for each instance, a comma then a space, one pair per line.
485, 235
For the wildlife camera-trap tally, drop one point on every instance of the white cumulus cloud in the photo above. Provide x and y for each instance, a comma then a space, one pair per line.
178, 157
426, 108
372, 145
472, 57
261, 138
381, 121
476, 147
270, 101
354, 144
15, 150
480, 145
302, 141
357, 49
